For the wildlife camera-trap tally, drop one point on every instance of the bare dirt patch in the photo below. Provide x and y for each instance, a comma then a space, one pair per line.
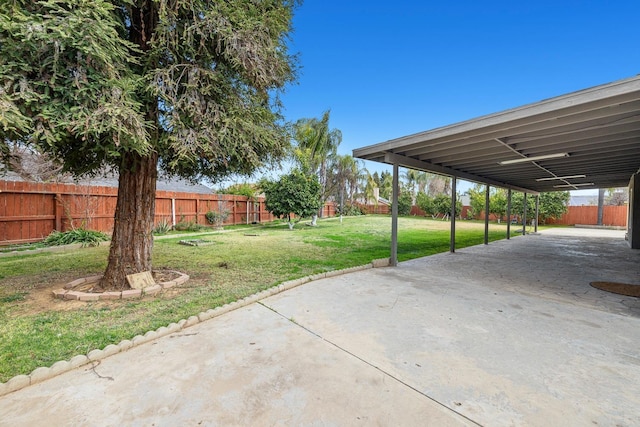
38, 297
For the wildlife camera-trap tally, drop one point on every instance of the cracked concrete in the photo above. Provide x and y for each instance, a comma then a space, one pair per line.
505, 334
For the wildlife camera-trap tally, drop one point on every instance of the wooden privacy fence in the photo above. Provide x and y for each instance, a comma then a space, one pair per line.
31, 211
582, 215
588, 215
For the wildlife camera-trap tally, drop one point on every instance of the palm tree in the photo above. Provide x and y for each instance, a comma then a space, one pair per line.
369, 187
411, 177
318, 144
422, 180
343, 179
386, 185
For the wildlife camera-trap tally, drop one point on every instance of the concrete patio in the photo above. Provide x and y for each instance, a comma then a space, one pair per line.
509, 334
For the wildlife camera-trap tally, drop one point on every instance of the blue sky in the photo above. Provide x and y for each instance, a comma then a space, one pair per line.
389, 69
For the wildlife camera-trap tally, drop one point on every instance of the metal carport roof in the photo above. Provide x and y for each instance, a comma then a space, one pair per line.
595, 134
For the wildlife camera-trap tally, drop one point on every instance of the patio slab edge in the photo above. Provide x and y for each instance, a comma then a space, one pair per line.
44, 373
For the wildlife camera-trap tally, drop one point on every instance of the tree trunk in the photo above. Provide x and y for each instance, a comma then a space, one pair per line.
600, 205
132, 240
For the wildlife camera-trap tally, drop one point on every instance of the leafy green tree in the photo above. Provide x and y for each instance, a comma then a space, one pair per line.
498, 202
477, 199
442, 205
425, 203
296, 193
552, 205
405, 200
189, 87
241, 189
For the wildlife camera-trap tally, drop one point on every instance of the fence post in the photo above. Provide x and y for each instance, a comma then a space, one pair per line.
173, 212
58, 212
235, 201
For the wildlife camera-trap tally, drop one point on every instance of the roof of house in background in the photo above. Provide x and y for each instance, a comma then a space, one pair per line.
583, 200
110, 179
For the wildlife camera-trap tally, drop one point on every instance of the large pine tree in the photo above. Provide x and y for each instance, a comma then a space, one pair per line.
185, 86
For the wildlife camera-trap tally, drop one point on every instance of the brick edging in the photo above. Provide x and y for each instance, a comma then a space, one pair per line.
68, 294
44, 373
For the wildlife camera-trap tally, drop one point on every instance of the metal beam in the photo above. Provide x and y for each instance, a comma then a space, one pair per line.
392, 158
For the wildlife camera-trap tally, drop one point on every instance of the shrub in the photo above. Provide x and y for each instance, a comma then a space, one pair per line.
404, 203
163, 227
188, 226
78, 235
425, 203
352, 210
217, 218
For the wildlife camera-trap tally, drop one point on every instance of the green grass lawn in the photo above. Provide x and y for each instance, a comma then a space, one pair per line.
37, 330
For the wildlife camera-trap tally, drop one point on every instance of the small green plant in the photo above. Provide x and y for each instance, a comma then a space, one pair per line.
163, 227
188, 226
78, 235
217, 218
18, 296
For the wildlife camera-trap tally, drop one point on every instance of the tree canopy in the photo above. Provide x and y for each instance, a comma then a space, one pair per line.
343, 177
87, 81
186, 86
316, 149
551, 205
497, 200
296, 193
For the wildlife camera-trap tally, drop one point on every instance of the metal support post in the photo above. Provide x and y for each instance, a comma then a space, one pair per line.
535, 219
524, 214
508, 214
486, 214
393, 259
452, 246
